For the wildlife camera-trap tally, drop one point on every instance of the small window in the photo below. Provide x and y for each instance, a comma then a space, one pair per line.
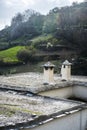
51, 68
46, 68
64, 66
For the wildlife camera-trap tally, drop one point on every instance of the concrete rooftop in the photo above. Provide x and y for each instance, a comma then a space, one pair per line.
16, 108
34, 81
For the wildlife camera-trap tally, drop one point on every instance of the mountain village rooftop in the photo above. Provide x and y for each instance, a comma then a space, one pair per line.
28, 100
21, 111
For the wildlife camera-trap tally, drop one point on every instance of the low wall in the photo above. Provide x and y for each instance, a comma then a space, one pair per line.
80, 92
74, 121
64, 92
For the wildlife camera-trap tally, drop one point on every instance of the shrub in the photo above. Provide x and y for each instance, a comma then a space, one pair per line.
26, 54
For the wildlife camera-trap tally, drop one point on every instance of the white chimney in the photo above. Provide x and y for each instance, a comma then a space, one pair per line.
48, 73
66, 70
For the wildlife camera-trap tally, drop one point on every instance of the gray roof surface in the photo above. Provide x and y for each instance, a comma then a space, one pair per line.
15, 108
48, 64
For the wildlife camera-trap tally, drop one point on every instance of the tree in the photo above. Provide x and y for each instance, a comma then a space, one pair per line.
50, 23
16, 20
37, 21
28, 24
26, 55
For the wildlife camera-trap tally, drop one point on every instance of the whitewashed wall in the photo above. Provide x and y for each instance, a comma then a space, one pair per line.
75, 121
80, 92
84, 120
65, 92
66, 72
48, 76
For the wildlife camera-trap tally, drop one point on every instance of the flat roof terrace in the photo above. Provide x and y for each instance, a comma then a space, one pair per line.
20, 111
34, 82
21, 108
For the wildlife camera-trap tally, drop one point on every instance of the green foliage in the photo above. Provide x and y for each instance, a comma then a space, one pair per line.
26, 25
26, 54
50, 23
46, 41
73, 16
37, 21
43, 39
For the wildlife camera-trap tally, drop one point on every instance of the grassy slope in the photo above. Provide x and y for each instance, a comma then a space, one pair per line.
42, 37
9, 55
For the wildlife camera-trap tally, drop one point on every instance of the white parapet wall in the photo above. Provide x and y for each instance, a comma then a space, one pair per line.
80, 92
64, 92
76, 91
74, 121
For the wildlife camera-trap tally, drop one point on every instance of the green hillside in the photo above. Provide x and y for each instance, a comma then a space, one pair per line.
61, 34
9, 55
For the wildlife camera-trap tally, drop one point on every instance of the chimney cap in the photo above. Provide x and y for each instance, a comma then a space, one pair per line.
66, 62
48, 64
